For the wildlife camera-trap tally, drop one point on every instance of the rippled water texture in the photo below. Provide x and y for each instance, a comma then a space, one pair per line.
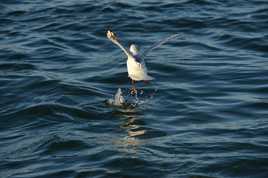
208, 117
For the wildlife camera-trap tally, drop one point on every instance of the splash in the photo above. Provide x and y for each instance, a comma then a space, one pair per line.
126, 99
118, 100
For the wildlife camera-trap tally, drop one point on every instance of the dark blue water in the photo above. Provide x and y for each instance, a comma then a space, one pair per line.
207, 119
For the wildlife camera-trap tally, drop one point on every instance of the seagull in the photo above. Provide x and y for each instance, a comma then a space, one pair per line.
137, 70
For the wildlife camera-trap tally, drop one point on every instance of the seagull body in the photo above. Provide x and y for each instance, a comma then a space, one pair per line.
136, 67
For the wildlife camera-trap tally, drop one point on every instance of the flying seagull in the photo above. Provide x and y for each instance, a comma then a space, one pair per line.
137, 70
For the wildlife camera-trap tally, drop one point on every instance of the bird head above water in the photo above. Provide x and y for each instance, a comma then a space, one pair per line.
134, 49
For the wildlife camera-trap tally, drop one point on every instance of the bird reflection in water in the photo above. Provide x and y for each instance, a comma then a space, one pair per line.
134, 130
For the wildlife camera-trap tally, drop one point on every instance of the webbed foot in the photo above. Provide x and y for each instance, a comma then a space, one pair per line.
133, 91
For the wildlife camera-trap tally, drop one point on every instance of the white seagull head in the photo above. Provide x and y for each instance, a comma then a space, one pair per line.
134, 49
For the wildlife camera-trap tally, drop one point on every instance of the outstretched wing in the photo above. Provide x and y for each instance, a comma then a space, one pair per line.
111, 36
158, 44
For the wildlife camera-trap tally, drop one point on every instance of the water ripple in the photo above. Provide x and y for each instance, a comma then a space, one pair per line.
205, 115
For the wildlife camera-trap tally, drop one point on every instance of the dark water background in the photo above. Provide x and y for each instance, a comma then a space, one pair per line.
208, 119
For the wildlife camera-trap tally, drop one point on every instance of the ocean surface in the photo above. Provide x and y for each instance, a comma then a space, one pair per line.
204, 116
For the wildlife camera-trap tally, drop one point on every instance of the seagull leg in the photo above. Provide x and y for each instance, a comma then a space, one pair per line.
133, 89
